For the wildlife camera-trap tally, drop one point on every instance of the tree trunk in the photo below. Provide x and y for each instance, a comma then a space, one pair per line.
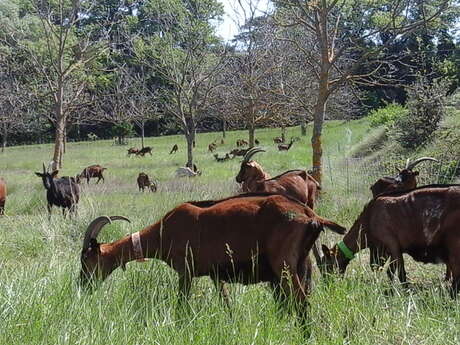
283, 133
189, 139
224, 128
59, 137
318, 120
251, 130
303, 128
4, 140
142, 133
64, 141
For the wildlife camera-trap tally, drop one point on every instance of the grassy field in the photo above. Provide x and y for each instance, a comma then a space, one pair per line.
40, 302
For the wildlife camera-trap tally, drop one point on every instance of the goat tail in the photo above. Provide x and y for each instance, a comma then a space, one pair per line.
339, 229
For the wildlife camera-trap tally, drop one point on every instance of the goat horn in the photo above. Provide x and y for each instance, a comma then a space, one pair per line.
417, 161
251, 153
44, 168
95, 227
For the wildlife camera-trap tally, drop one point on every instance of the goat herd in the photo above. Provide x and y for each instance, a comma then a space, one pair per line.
266, 233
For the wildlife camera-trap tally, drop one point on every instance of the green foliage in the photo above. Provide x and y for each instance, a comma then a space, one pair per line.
426, 109
122, 129
387, 115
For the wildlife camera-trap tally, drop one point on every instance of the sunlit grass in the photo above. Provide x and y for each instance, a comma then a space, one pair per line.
40, 302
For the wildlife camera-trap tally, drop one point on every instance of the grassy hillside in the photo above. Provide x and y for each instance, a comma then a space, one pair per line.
40, 302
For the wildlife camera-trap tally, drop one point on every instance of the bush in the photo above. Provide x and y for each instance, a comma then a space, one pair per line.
426, 109
388, 115
122, 130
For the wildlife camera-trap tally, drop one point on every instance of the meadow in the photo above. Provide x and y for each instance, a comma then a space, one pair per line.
41, 303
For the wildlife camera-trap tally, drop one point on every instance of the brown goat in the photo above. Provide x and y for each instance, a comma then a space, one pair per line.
286, 147
278, 140
133, 151
92, 171
143, 151
239, 152
297, 184
143, 181
423, 223
3, 193
247, 239
406, 178
222, 159
241, 142
174, 149
212, 147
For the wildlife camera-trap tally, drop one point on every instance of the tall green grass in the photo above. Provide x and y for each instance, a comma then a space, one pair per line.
40, 302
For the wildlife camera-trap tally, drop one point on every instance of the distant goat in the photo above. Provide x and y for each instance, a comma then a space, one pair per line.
62, 192
2, 196
212, 147
286, 147
143, 181
241, 142
278, 140
187, 172
174, 149
238, 152
133, 151
406, 178
92, 171
245, 239
222, 159
144, 150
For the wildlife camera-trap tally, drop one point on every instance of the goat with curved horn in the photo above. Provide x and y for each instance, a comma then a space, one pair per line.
95, 227
410, 166
247, 157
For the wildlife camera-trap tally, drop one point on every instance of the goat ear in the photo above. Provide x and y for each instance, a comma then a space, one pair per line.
54, 173
39, 174
326, 250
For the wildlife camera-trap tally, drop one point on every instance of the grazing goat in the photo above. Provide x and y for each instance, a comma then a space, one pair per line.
297, 184
62, 192
247, 239
222, 141
238, 152
278, 140
406, 178
212, 147
92, 171
174, 149
187, 172
143, 151
133, 151
241, 142
285, 147
423, 223
143, 181
222, 159
2, 196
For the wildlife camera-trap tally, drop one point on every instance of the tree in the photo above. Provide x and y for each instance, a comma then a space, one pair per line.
185, 55
349, 46
59, 50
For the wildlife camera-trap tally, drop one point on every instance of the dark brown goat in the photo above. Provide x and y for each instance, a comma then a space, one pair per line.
423, 223
143, 181
90, 172
222, 159
297, 184
241, 142
212, 147
239, 152
247, 238
2, 196
174, 149
406, 178
133, 151
285, 147
278, 140
143, 151
62, 192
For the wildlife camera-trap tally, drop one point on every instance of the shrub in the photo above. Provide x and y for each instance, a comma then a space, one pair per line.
426, 109
387, 115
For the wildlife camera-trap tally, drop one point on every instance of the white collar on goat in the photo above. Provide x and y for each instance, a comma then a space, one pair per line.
136, 239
